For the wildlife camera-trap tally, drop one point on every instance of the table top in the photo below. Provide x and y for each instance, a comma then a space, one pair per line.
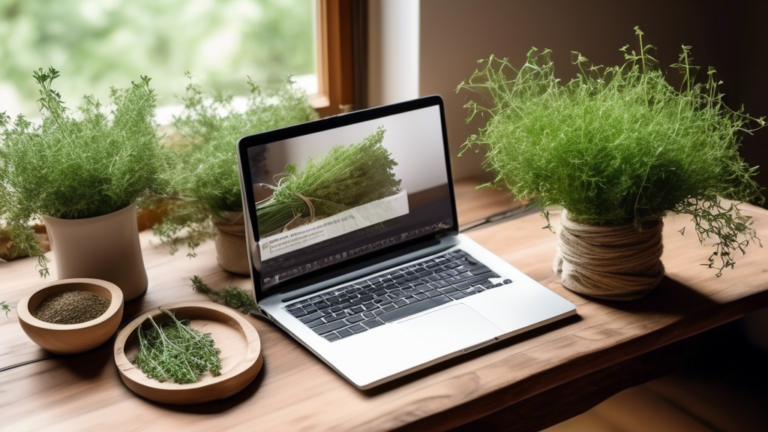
296, 391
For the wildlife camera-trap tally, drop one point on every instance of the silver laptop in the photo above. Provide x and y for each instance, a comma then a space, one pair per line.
355, 249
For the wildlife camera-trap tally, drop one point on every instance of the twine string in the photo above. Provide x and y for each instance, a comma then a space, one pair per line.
609, 262
306, 200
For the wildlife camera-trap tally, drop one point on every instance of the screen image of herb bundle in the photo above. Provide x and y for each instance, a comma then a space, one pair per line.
346, 177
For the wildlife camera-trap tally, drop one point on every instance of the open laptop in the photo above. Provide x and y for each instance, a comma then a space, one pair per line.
372, 274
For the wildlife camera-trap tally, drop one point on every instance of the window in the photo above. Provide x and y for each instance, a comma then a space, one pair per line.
97, 44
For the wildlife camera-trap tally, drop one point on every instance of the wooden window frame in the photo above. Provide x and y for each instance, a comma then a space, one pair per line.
336, 80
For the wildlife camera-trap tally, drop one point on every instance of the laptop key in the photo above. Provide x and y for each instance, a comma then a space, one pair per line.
388, 307
332, 318
457, 295
344, 333
298, 312
373, 323
401, 303
331, 337
315, 323
329, 327
507, 281
413, 308
311, 317
355, 318
358, 328
469, 282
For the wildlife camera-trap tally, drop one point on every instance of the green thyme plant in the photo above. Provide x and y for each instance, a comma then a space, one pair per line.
176, 352
348, 176
77, 165
619, 145
206, 180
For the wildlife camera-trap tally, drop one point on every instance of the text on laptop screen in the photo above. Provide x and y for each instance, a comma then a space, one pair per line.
335, 195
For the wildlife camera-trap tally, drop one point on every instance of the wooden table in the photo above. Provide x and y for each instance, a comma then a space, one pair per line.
532, 381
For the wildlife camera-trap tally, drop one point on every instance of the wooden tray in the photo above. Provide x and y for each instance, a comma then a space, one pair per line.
238, 341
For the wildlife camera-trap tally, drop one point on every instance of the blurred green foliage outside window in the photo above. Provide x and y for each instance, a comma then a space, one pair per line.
101, 43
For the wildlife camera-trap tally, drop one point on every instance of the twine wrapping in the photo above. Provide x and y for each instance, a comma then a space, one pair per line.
609, 262
297, 219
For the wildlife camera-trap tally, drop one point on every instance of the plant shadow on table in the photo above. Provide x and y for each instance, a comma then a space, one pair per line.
669, 298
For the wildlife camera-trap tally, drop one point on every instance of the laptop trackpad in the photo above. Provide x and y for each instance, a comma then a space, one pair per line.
452, 328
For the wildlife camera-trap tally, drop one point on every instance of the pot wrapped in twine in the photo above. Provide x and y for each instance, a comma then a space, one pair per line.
609, 262
231, 248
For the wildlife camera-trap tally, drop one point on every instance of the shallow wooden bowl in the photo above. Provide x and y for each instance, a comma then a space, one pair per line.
72, 338
240, 354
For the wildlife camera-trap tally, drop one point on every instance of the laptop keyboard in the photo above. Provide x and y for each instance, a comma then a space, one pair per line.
387, 297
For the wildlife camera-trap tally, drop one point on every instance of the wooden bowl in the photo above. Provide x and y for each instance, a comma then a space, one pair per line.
238, 341
72, 338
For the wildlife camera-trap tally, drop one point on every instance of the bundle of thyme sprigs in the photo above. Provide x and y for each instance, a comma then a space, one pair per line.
346, 177
176, 352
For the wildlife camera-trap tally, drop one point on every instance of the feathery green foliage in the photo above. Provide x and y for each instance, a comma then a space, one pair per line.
176, 352
348, 176
73, 167
618, 145
206, 177
230, 296
5, 308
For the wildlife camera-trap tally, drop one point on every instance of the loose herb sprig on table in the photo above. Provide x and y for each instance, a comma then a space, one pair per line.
619, 145
176, 352
5, 308
230, 296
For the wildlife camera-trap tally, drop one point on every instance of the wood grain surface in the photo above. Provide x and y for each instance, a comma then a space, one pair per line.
297, 392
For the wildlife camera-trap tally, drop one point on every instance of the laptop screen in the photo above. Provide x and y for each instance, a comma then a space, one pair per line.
332, 196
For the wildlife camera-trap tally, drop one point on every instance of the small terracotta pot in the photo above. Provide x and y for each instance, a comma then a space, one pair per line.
231, 249
103, 247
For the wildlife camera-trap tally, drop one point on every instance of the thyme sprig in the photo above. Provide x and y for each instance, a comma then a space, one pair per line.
176, 352
230, 296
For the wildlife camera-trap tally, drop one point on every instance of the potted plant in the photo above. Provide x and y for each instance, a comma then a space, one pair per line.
83, 176
206, 180
617, 148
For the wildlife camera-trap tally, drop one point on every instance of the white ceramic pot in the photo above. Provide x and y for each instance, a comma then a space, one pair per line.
103, 247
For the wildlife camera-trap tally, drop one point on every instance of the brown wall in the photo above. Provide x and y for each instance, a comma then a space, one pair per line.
730, 35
